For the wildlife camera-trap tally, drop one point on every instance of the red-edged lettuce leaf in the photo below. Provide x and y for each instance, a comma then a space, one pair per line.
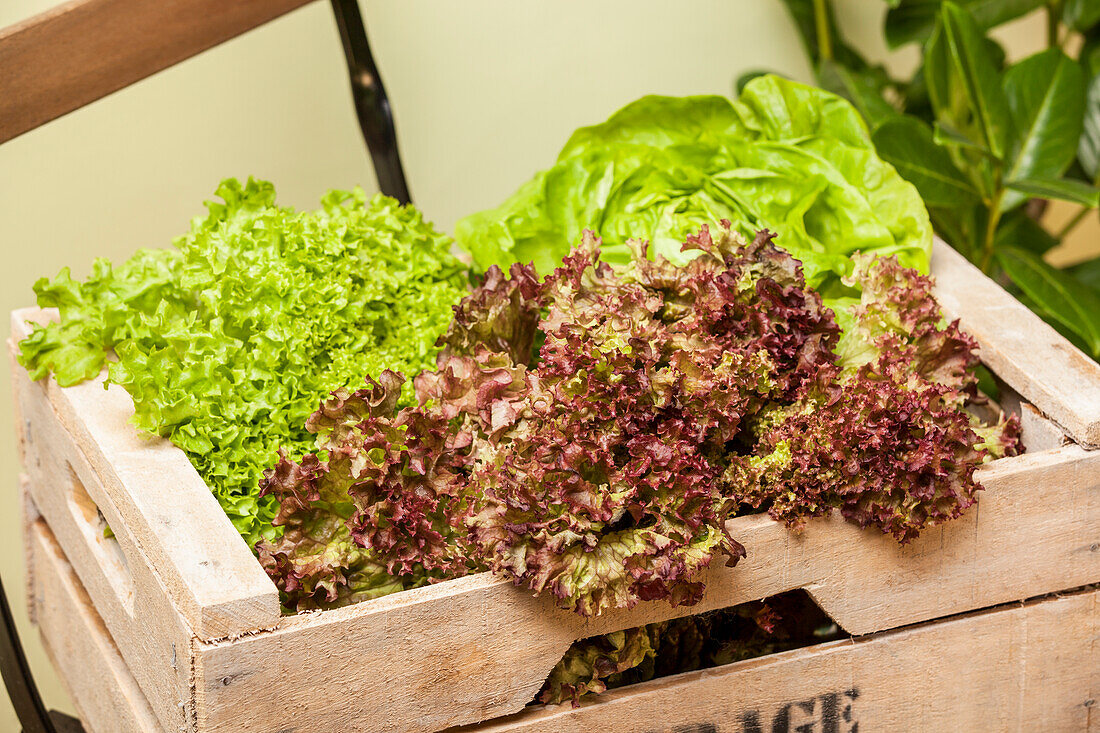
603, 468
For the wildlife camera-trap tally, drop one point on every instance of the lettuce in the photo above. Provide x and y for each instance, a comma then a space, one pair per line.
785, 157
884, 434
227, 342
745, 631
588, 434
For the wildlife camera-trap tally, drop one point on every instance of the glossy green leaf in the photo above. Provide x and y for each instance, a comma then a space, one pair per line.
1063, 189
1087, 272
906, 143
1081, 14
1088, 147
911, 21
1017, 229
1063, 297
863, 88
1046, 95
945, 135
963, 82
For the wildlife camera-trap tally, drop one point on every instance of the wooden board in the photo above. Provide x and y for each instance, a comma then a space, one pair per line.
82, 50
1034, 359
1026, 668
1021, 668
101, 686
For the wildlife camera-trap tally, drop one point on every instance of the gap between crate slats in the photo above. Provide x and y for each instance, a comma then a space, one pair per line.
1033, 358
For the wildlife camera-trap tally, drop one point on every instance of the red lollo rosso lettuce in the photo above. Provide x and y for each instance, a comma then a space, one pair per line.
589, 434
883, 434
611, 489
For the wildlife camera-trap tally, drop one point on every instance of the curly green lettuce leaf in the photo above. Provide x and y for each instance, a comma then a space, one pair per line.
227, 342
786, 157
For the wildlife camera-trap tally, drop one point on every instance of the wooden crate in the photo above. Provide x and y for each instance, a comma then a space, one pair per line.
1021, 667
197, 622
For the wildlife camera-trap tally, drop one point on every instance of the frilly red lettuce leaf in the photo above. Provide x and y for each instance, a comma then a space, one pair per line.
883, 435
662, 398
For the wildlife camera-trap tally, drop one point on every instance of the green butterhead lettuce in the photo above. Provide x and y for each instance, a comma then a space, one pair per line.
784, 156
228, 342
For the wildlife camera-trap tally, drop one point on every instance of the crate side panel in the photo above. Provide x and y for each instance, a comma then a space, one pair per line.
1035, 530
128, 593
1014, 669
211, 574
97, 679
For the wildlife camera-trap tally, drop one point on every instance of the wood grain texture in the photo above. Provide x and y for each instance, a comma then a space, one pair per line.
1021, 669
173, 521
82, 50
1037, 433
130, 597
476, 648
101, 686
30, 516
1034, 359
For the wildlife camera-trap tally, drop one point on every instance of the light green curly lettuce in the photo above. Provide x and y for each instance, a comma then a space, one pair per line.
784, 156
228, 342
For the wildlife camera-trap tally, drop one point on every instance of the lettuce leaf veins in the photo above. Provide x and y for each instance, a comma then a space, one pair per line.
589, 434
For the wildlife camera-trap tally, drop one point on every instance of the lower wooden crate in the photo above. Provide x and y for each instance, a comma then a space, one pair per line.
1031, 666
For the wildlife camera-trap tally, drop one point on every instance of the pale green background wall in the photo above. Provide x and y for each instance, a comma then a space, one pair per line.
485, 93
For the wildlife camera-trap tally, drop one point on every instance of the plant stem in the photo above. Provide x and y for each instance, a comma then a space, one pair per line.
991, 230
1054, 15
1072, 223
821, 25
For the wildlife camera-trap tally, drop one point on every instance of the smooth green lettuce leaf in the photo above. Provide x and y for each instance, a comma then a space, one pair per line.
784, 156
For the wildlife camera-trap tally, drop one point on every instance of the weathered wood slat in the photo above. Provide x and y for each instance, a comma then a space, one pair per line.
82, 50
1026, 668
1018, 668
130, 597
98, 681
1033, 358
159, 499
